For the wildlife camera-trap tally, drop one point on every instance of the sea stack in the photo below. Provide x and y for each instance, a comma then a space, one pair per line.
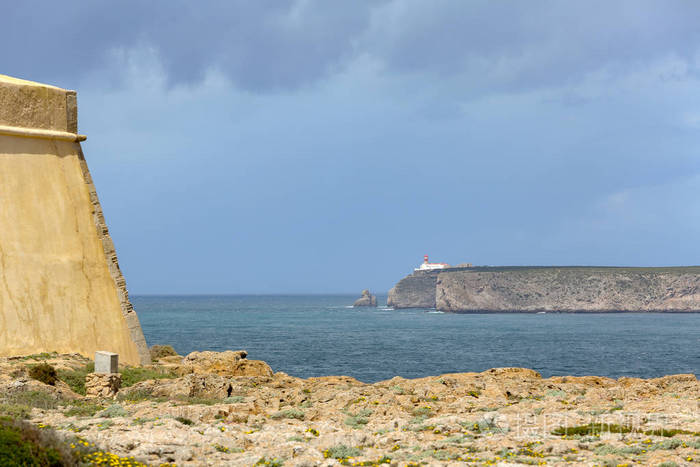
367, 299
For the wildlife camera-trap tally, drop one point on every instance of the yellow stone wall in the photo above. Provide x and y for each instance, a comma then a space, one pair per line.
60, 285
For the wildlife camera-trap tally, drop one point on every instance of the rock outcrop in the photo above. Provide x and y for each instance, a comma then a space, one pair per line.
62, 289
502, 416
228, 363
367, 299
414, 291
564, 289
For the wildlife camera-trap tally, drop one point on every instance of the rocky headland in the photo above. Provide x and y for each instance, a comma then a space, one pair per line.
563, 289
213, 408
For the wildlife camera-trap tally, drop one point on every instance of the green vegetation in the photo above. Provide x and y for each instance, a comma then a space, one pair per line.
40, 356
358, 419
160, 351
234, 399
341, 451
23, 444
184, 421
669, 433
45, 373
274, 462
289, 413
138, 421
133, 374
15, 411
76, 378
193, 400
598, 428
421, 411
591, 429
114, 410
82, 409
486, 426
606, 450
136, 395
38, 399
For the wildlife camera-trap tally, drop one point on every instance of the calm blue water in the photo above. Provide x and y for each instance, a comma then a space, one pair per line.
319, 335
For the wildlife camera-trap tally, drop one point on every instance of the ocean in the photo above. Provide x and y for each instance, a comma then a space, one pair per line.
320, 335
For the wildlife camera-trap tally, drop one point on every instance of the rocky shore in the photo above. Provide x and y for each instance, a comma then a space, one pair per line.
561, 289
222, 409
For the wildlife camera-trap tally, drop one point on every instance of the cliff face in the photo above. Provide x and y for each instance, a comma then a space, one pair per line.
60, 284
559, 289
414, 291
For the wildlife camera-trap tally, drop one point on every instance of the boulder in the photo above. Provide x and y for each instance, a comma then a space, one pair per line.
102, 384
228, 363
367, 299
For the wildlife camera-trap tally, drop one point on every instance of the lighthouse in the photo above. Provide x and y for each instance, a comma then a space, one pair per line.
428, 266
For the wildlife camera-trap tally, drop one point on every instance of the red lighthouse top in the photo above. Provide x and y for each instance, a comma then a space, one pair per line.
425, 258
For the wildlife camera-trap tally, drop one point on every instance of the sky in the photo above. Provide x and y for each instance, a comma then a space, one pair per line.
299, 146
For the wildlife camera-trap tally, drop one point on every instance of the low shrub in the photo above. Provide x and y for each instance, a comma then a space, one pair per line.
193, 400
272, 462
75, 378
359, 419
41, 356
607, 450
668, 433
15, 411
341, 451
114, 410
591, 429
184, 421
45, 373
38, 399
160, 351
134, 374
23, 444
82, 409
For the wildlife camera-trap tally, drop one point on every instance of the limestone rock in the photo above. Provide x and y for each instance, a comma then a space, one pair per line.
507, 413
102, 384
228, 363
562, 289
367, 299
414, 291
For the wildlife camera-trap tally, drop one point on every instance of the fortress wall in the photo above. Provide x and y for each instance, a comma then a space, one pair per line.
60, 284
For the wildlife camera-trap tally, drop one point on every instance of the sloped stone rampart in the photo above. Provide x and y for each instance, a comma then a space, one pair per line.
61, 288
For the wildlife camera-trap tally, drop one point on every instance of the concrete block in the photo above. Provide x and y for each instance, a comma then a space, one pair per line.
106, 362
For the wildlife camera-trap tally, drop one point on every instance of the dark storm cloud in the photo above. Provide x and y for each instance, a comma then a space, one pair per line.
259, 44
519, 44
264, 45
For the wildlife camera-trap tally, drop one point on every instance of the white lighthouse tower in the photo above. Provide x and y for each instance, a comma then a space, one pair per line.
428, 266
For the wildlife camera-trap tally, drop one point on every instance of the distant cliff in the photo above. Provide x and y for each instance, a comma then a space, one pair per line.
414, 291
568, 289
